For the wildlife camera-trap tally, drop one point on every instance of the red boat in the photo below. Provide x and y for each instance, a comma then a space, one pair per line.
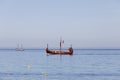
55, 52
60, 52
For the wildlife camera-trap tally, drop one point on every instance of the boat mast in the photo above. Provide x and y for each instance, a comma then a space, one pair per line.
47, 45
21, 46
60, 44
17, 46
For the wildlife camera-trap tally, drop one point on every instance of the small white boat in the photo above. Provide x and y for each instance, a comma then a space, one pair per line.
19, 48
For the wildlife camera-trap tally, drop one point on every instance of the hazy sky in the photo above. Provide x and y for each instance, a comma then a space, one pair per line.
82, 23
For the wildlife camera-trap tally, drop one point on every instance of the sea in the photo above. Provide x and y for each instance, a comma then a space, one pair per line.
84, 64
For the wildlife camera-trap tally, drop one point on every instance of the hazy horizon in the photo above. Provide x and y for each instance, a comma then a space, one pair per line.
82, 23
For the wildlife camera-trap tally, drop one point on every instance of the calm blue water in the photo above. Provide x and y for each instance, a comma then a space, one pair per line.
83, 65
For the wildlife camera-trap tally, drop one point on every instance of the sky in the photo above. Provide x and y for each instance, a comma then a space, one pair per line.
82, 23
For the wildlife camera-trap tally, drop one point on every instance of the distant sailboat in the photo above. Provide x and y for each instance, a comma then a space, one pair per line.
19, 48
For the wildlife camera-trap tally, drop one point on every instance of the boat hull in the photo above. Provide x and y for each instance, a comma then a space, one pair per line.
53, 52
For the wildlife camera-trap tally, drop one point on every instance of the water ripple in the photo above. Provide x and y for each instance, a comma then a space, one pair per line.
60, 74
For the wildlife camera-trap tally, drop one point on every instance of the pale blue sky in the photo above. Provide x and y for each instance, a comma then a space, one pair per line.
82, 23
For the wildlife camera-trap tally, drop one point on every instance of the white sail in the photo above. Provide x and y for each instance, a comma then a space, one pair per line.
19, 48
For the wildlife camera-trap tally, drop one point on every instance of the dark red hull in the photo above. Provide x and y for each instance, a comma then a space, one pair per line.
70, 52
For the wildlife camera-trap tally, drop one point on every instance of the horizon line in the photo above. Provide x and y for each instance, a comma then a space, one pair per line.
63, 48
